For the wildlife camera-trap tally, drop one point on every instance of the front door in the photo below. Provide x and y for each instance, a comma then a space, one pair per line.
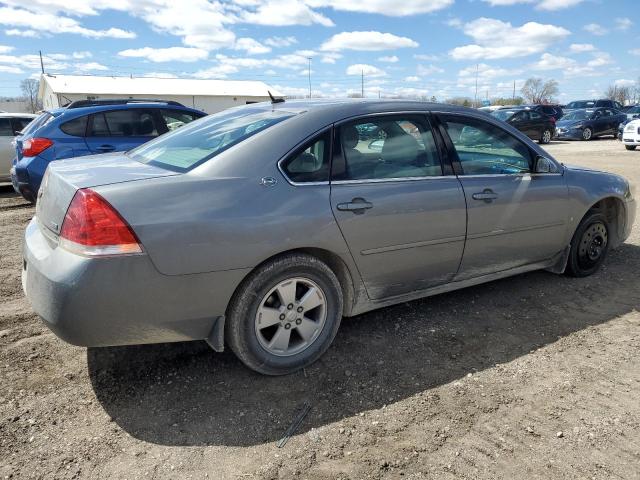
515, 217
403, 220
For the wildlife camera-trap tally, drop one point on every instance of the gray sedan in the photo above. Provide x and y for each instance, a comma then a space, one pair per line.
260, 227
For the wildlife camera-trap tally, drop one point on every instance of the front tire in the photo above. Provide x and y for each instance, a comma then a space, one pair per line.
589, 245
587, 134
630, 147
285, 315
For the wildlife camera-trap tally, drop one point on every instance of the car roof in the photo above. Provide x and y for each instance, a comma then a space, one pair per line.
119, 106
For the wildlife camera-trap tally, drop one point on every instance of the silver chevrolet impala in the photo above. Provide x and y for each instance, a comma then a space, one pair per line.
261, 227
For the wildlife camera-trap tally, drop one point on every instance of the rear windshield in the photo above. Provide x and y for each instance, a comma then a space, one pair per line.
503, 114
581, 104
201, 140
43, 119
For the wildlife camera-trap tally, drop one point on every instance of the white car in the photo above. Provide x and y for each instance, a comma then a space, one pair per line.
631, 135
10, 125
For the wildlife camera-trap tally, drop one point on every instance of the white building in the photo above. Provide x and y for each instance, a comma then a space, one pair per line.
209, 96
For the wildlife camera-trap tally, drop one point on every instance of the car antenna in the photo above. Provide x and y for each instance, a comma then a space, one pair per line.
274, 99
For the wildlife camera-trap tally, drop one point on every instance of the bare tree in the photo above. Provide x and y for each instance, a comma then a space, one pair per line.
536, 90
29, 87
622, 94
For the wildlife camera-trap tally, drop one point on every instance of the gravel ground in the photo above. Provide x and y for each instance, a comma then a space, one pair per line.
537, 376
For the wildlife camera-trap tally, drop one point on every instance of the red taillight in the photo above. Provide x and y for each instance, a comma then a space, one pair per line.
92, 227
35, 146
553, 119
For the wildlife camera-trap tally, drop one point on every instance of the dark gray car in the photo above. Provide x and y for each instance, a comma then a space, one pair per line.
262, 226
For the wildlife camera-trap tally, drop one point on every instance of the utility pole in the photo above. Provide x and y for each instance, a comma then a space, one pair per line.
362, 85
41, 64
475, 98
309, 72
514, 91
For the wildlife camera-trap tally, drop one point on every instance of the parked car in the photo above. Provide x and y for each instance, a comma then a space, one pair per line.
631, 134
604, 102
632, 111
11, 124
262, 226
88, 127
550, 110
585, 124
535, 125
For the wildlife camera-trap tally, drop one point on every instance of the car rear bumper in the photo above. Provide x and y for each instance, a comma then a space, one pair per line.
120, 300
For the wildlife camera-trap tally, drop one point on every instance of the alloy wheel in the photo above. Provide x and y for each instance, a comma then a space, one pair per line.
291, 316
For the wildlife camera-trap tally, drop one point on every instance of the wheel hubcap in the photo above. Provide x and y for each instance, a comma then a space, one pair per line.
291, 316
546, 137
586, 134
592, 245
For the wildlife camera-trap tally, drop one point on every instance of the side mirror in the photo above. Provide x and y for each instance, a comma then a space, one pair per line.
544, 165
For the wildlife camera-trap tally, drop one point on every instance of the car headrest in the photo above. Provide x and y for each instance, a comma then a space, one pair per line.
350, 136
401, 149
146, 127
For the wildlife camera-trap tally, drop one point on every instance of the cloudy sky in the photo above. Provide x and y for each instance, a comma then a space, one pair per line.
403, 47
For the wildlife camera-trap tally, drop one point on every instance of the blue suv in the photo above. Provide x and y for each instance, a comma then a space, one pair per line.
89, 127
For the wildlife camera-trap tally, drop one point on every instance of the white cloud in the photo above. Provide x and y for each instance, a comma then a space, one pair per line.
251, 46
412, 78
635, 51
284, 13
16, 32
218, 71
623, 82
595, 29
159, 75
10, 69
428, 70
5, 48
497, 39
279, 42
484, 73
391, 8
581, 47
426, 57
623, 24
51, 62
367, 41
171, 54
45, 22
553, 62
330, 57
81, 55
367, 70
389, 59
540, 4
90, 67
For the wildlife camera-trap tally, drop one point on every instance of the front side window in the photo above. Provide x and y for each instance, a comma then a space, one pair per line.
310, 163
387, 147
193, 144
485, 149
176, 118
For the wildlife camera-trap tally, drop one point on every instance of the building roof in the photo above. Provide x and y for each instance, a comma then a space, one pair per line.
93, 85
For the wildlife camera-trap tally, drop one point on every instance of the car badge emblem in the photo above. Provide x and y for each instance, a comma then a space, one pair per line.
268, 181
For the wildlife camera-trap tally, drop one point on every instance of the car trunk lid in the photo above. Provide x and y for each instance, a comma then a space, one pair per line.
63, 178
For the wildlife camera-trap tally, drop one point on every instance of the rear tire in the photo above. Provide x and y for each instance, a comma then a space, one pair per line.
268, 325
630, 147
589, 245
545, 138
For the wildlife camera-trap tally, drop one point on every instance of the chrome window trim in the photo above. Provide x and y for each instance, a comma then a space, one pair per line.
394, 179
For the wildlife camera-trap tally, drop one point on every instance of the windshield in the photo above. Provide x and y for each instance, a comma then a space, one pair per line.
503, 114
576, 115
581, 104
201, 140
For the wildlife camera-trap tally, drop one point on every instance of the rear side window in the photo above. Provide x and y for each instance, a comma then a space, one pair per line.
19, 124
76, 127
99, 126
194, 144
485, 149
176, 118
131, 123
310, 163
5, 127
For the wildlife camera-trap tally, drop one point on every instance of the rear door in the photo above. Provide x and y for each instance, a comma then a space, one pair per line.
515, 217
402, 216
122, 130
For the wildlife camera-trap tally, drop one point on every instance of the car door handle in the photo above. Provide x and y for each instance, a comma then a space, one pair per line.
487, 195
106, 148
357, 206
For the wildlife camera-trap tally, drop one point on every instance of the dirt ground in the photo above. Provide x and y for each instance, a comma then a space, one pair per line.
533, 377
